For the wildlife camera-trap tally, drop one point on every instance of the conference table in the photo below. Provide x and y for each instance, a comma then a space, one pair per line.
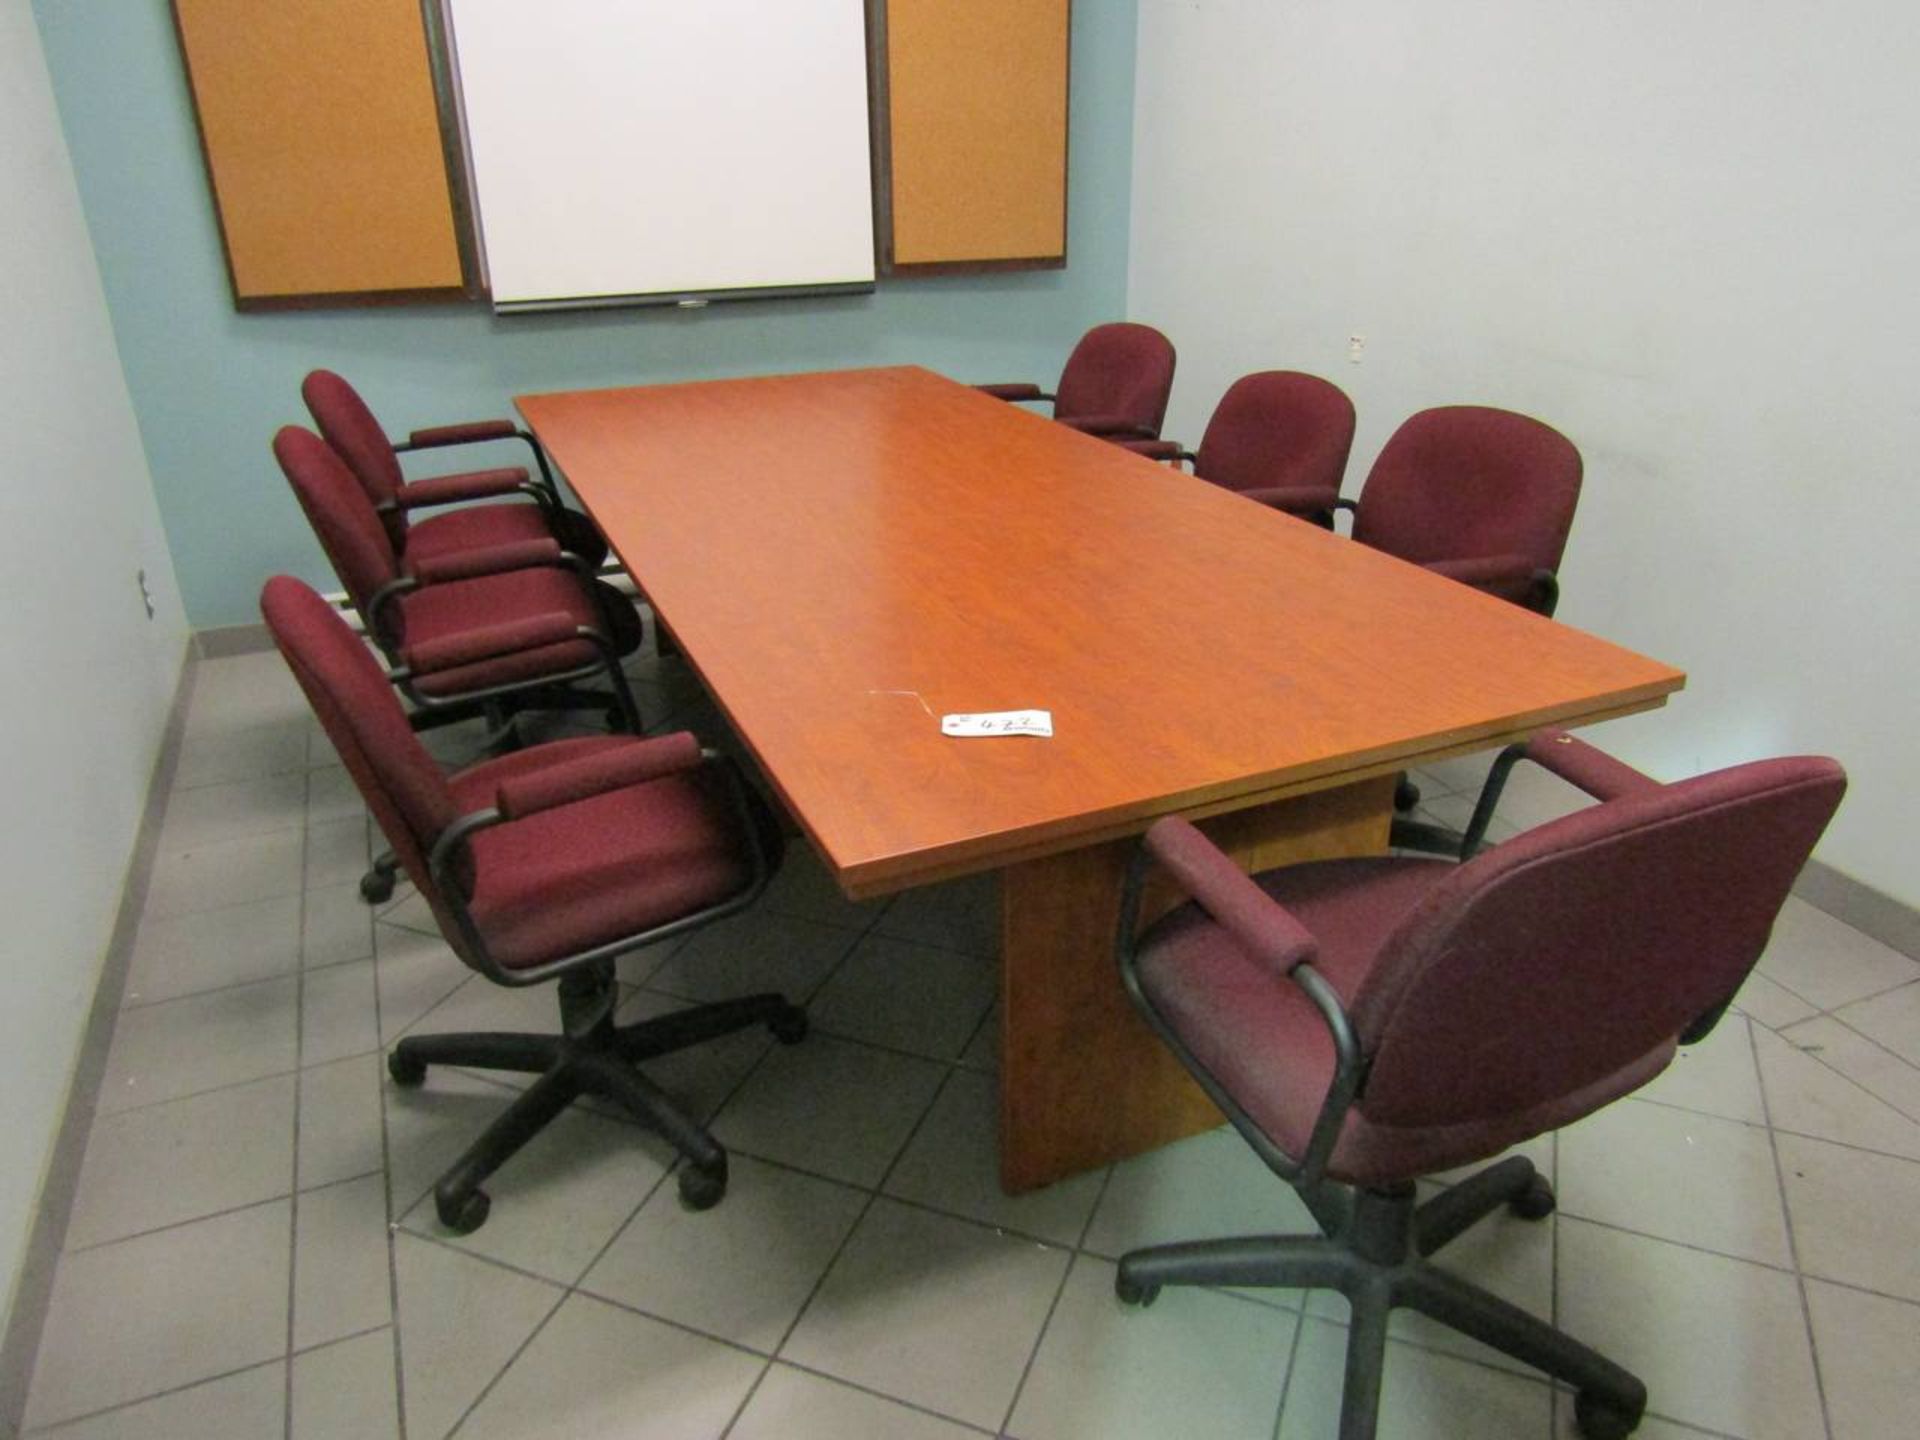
846, 557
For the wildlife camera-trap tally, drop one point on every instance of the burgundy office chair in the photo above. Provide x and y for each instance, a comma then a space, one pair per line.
1364, 1023
517, 623
1278, 437
1481, 495
549, 862
490, 631
350, 427
1115, 384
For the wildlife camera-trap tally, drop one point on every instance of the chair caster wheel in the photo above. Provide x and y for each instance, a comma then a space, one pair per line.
376, 887
1599, 1418
465, 1217
1536, 1202
790, 1026
1132, 1292
406, 1071
1406, 795
702, 1189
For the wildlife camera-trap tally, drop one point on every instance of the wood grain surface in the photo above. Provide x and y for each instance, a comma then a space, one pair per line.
847, 556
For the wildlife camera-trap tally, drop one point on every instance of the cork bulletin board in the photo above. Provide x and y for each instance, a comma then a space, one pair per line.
971, 112
323, 146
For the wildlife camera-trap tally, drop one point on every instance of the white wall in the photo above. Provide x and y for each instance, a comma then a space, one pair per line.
88, 676
1685, 234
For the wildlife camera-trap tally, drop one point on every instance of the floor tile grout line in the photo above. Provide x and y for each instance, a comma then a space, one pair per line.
220, 1214
1677, 1244
1099, 1199
211, 1089
1912, 982
1828, 1012
872, 1193
67, 1423
293, 1207
1793, 1243
381, 1091
1788, 1129
865, 1389
746, 1399
1292, 1370
181, 787
1039, 1339
500, 1374
290, 973
1893, 1055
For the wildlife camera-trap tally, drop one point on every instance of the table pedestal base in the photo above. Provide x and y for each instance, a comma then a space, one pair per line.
1083, 1081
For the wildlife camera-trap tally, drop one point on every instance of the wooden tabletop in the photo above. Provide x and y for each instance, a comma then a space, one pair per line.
847, 556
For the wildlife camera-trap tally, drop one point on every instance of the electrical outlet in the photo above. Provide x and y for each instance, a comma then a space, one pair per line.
1356, 347
146, 595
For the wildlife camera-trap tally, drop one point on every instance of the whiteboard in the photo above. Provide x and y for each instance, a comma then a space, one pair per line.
624, 151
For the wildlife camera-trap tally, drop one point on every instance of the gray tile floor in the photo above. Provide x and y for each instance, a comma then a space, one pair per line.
250, 1254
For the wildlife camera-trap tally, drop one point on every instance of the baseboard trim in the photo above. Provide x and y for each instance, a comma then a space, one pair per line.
223, 640
1892, 922
34, 1289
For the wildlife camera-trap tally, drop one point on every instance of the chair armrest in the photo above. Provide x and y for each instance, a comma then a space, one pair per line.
1296, 499
488, 560
1014, 391
1274, 938
1575, 761
1587, 766
467, 485
467, 433
489, 642
1245, 911
1107, 426
598, 774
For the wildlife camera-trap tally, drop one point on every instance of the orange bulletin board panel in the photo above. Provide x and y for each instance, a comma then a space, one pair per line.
975, 134
323, 146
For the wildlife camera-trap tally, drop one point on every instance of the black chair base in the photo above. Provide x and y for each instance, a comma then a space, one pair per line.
592, 1056
616, 706
1378, 1261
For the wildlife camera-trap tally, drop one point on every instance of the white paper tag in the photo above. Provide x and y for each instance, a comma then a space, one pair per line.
1000, 722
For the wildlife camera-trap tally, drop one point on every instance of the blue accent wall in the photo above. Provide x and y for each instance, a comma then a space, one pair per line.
211, 385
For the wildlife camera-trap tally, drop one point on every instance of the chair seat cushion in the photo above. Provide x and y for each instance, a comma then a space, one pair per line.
457, 606
478, 527
583, 875
1262, 1040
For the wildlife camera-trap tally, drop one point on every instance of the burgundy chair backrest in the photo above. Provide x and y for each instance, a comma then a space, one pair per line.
350, 696
1120, 369
1560, 957
349, 427
1468, 481
1277, 428
342, 517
